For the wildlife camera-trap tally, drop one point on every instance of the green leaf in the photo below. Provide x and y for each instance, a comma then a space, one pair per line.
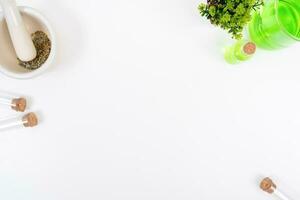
231, 15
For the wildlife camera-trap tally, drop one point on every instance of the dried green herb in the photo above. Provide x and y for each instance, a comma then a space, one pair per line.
230, 15
43, 48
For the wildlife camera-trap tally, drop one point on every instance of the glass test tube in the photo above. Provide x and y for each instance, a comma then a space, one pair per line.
16, 103
25, 121
269, 186
240, 51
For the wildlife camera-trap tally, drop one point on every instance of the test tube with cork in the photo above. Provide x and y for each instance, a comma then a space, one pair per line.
240, 51
16, 103
24, 121
268, 185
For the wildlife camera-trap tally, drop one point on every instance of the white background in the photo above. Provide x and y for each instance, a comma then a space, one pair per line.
140, 105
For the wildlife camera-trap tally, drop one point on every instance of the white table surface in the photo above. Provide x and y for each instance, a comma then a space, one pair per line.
140, 106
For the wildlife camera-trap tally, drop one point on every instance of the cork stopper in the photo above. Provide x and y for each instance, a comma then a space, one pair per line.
30, 120
267, 185
249, 48
19, 104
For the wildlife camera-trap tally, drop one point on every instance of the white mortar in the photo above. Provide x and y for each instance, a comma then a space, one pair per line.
34, 21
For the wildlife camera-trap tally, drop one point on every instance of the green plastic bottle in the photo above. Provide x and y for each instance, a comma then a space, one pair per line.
277, 25
240, 51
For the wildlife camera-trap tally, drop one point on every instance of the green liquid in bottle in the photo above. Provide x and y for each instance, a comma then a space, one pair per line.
289, 17
240, 51
278, 25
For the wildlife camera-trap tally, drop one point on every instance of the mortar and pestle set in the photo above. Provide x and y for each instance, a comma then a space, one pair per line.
27, 41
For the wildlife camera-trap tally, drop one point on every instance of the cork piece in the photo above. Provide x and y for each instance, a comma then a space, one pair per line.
249, 48
42, 44
30, 120
19, 104
267, 185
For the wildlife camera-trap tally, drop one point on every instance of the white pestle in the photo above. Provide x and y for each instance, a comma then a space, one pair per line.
19, 35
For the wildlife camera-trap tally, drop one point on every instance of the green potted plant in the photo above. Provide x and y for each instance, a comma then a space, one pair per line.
230, 15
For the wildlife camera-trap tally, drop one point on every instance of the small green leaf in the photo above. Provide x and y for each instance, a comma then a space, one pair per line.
231, 15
